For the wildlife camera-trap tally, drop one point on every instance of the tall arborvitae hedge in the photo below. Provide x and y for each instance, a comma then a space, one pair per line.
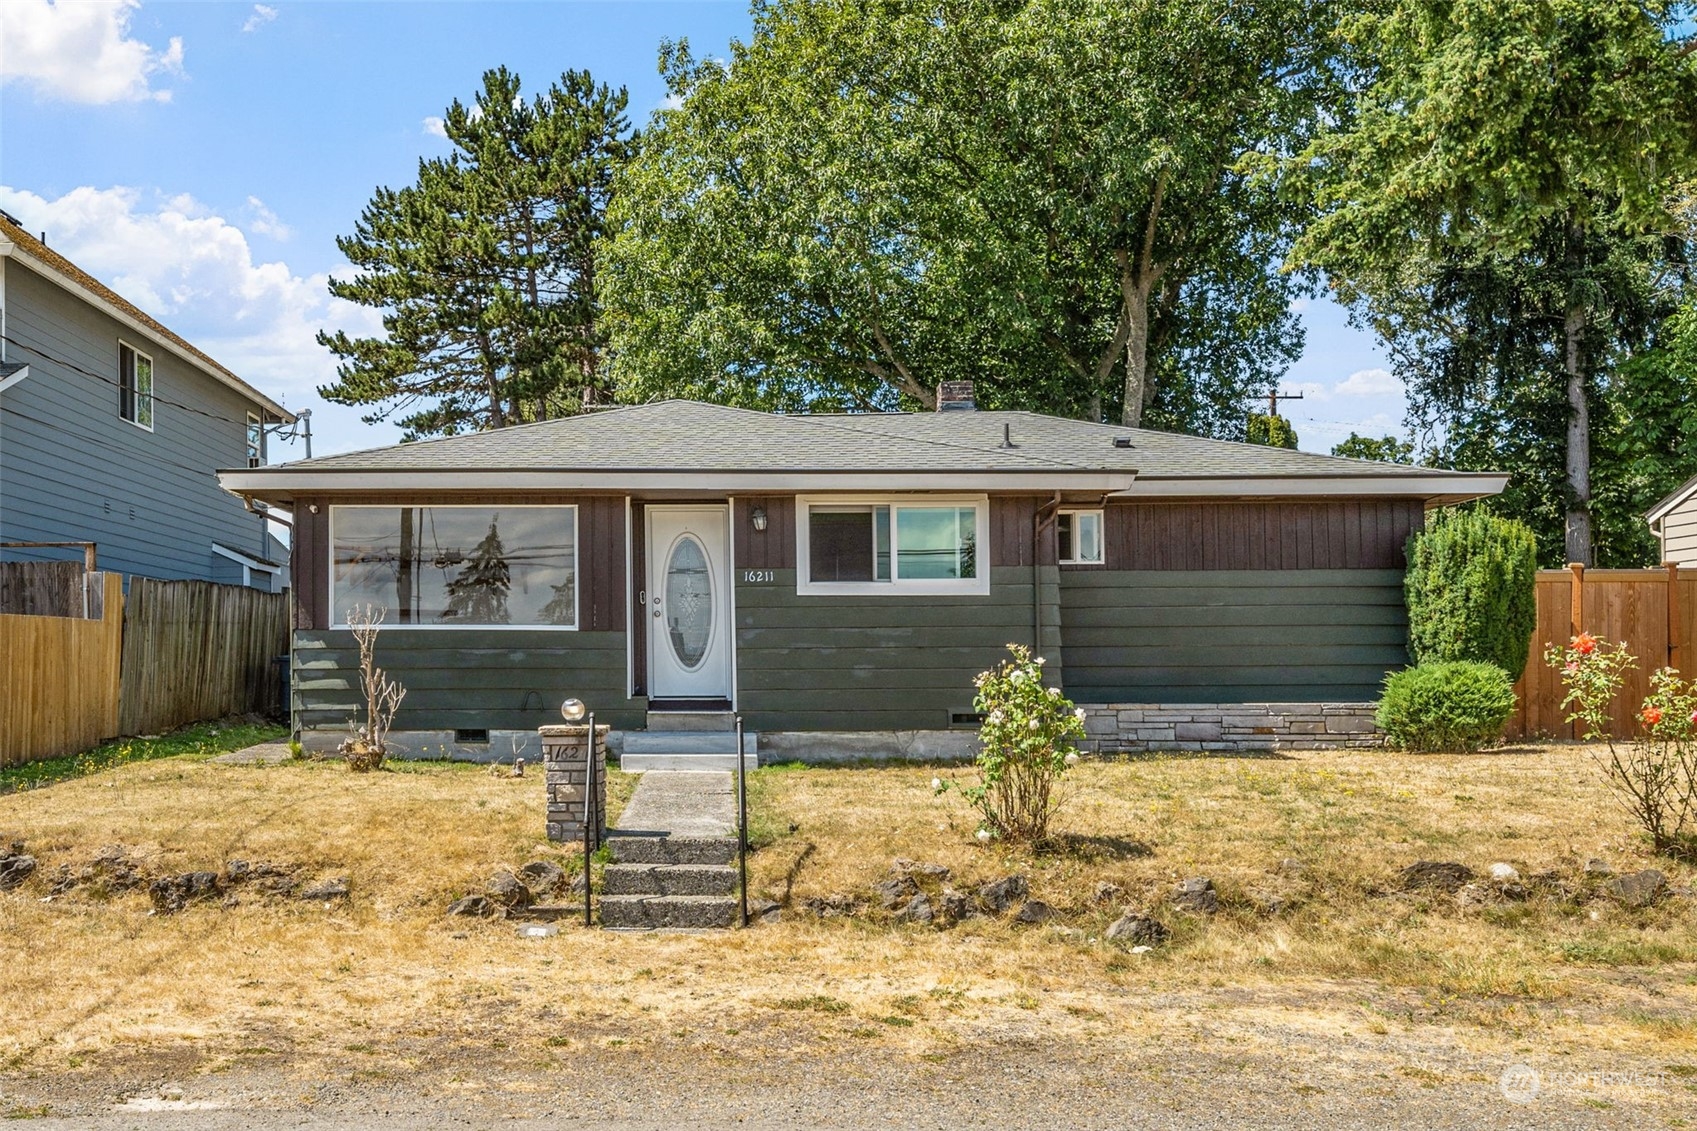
1471, 589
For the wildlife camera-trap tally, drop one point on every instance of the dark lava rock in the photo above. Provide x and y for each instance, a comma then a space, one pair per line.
956, 905
505, 889
15, 868
1445, 876
477, 907
893, 893
1034, 911
1640, 889
826, 906
542, 877
918, 868
171, 894
1106, 892
999, 895
918, 910
1137, 929
1196, 894
327, 890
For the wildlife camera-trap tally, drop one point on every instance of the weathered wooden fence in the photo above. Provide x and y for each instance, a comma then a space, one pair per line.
45, 589
1653, 611
195, 650
59, 675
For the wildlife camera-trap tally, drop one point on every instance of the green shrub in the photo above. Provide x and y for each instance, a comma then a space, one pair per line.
1471, 590
1446, 708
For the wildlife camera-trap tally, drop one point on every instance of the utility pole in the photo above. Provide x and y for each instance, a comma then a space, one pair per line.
1273, 400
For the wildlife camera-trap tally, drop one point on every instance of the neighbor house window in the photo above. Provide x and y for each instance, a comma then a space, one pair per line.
892, 545
255, 441
456, 566
1080, 534
135, 386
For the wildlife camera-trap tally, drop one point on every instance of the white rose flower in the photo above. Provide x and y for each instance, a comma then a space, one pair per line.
1071, 759
1036, 724
983, 834
1054, 693
1079, 714
936, 784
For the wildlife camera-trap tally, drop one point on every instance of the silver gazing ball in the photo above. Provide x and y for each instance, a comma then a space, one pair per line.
572, 710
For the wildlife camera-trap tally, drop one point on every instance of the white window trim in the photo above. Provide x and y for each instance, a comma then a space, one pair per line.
255, 453
577, 576
153, 382
1101, 532
933, 587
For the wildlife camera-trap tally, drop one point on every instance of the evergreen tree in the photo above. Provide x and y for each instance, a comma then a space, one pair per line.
478, 593
485, 268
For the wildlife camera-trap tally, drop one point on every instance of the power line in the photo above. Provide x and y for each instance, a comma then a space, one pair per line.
115, 383
91, 439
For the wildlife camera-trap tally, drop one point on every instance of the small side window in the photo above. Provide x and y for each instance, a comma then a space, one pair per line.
1080, 535
135, 386
255, 441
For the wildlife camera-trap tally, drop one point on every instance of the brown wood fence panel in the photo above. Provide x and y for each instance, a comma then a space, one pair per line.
194, 650
42, 589
1651, 611
59, 678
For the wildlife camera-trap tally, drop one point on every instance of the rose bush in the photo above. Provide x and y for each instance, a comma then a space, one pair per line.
1028, 740
1654, 773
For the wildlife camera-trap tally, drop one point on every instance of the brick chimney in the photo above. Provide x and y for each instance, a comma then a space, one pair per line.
955, 396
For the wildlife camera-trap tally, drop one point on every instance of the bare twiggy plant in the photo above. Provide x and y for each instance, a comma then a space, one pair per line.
367, 747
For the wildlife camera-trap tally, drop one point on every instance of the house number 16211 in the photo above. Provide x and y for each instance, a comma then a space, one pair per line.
758, 576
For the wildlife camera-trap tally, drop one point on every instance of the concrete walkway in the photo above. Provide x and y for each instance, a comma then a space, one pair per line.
681, 803
265, 754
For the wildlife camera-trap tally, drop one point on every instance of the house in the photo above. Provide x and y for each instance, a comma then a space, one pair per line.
111, 428
1674, 522
838, 580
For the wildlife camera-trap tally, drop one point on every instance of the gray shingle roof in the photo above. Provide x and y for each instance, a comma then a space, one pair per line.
688, 436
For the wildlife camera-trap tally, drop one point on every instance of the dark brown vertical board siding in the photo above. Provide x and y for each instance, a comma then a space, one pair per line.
601, 563
1329, 534
638, 625
773, 548
309, 565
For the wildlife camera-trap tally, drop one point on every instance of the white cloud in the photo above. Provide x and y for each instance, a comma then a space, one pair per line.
262, 15
436, 127
81, 51
265, 222
195, 271
1369, 383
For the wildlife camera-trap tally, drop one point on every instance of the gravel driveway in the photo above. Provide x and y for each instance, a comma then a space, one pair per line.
1115, 1083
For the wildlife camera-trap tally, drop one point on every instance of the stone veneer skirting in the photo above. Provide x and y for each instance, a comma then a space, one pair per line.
1113, 728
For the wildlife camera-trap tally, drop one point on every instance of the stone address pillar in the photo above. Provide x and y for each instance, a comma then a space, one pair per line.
562, 766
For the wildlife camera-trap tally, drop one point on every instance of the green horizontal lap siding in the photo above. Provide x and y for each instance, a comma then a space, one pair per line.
1230, 636
496, 679
876, 663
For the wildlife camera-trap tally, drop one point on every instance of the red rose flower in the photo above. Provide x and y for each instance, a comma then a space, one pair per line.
1585, 644
1652, 716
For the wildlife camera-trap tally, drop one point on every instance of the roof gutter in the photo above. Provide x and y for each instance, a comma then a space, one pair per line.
1438, 489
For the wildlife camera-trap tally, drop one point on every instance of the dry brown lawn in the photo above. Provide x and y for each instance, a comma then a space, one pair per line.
373, 980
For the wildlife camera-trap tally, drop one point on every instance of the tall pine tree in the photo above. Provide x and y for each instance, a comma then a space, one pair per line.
485, 268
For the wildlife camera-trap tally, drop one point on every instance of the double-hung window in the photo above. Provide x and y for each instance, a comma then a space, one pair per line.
892, 545
1080, 535
135, 386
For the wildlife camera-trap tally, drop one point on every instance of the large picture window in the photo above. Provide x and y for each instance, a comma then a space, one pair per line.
929, 545
452, 567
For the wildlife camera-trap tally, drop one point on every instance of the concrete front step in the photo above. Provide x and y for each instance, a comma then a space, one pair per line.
691, 721
647, 912
627, 849
697, 750
669, 879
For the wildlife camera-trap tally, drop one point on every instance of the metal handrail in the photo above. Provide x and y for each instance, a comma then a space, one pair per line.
742, 829
588, 813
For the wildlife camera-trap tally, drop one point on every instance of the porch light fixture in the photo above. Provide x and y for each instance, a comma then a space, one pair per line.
758, 517
572, 710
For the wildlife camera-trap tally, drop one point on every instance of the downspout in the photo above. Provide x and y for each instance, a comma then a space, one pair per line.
1045, 517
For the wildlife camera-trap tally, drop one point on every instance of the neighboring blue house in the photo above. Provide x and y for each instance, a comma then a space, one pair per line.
111, 427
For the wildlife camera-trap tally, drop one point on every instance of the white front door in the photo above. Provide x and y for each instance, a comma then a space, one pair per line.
689, 602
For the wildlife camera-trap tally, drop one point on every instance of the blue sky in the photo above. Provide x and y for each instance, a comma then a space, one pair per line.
201, 158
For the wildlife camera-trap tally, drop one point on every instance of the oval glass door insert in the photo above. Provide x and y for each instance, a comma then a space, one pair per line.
689, 602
